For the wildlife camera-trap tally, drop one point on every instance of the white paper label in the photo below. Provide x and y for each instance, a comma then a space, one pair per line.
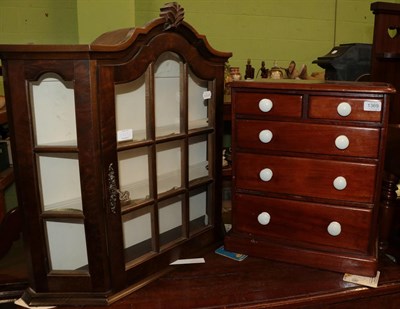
372, 105
188, 261
206, 95
361, 280
125, 135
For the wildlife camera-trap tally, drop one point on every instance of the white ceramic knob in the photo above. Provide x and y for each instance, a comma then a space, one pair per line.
344, 109
265, 105
265, 136
266, 174
264, 218
334, 228
342, 142
340, 183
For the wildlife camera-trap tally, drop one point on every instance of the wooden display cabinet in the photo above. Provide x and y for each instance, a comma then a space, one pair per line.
116, 147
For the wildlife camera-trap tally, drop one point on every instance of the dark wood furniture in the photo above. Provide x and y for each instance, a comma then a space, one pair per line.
13, 274
116, 147
13, 265
6, 176
3, 115
307, 172
6, 179
385, 67
260, 283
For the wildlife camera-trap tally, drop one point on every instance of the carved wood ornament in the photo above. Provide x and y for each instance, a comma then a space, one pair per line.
173, 14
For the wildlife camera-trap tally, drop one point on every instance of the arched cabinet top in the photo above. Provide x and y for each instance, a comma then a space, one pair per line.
170, 21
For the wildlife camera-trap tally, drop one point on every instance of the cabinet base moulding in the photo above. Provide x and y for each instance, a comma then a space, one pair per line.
334, 261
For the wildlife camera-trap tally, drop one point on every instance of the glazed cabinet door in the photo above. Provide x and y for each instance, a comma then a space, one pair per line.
59, 192
117, 156
159, 142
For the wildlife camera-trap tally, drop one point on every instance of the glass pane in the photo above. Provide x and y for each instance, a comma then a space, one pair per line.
170, 220
167, 94
198, 162
66, 245
169, 166
59, 181
53, 107
137, 229
198, 101
130, 104
198, 214
134, 172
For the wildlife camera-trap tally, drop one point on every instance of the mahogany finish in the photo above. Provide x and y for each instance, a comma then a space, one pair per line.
259, 283
295, 213
385, 66
113, 269
252, 283
6, 179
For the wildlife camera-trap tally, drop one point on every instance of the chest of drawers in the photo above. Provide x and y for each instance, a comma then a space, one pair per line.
308, 159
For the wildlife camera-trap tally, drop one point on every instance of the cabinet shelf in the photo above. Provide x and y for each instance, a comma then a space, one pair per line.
200, 182
135, 204
170, 137
74, 204
131, 136
63, 214
198, 170
167, 131
126, 145
56, 149
197, 124
198, 131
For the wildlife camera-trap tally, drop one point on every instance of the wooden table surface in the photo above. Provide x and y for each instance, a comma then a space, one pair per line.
258, 283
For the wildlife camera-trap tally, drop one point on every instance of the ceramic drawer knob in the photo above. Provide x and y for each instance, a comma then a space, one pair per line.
265, 136
344, 109
334, 228
342, 142
264, 218
265, 105
266, 174
340, 183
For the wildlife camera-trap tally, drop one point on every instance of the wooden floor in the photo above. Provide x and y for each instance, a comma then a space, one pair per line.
259, 283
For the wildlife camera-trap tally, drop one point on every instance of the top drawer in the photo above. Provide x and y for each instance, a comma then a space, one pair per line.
342, 108
263, 104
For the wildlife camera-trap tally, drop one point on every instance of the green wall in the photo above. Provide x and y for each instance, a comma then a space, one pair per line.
274, 30
38, 21
61, 21
98, 16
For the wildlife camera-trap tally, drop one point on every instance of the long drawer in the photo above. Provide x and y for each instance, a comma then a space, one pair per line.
308, 138
329, 179
306, 223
